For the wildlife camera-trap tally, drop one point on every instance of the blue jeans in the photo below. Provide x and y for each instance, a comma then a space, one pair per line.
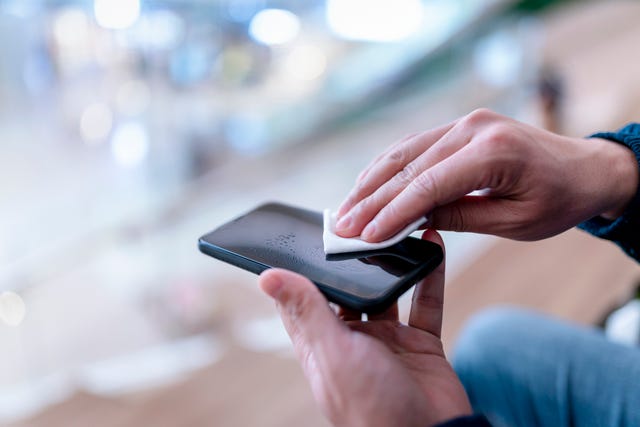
525, 369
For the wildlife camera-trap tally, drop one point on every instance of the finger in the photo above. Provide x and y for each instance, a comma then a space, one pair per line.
393, 161
445, 182
348, 315
428, 296
361, 214
387, 162
390, 313
477, 214
382, 155
305, 313
345, 206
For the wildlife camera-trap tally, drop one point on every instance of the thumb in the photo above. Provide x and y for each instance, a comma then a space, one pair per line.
476, 214
310, 323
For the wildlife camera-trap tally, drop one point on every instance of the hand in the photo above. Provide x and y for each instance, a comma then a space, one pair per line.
374, 373
537, 184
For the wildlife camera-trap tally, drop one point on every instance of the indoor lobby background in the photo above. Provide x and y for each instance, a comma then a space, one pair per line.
128, 128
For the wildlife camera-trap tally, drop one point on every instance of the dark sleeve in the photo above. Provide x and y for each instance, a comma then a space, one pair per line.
469, 421
625, 230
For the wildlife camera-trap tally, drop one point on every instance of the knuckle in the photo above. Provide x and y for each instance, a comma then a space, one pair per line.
478, 117
494, 141
425, 184
500, 146
397, 157
499, 137
405, 176
365, 205
391, 211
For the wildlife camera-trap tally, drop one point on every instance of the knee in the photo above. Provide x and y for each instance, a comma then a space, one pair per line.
489, 338
499, 362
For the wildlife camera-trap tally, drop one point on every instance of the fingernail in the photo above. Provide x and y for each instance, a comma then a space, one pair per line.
369, 231
343, 223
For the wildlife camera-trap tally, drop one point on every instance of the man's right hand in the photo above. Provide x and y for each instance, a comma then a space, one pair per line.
537, 184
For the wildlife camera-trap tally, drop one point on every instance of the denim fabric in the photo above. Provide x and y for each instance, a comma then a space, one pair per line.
524, 369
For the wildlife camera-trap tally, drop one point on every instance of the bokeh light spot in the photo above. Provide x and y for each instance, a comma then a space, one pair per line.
274, 26
12, 308
95, 123
133, 97
374, 20
116, 14
130, 144
306, 63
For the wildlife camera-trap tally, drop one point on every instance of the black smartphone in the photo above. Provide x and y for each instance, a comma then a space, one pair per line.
278, 235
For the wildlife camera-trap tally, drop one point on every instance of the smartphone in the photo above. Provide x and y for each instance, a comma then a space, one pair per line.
278, 235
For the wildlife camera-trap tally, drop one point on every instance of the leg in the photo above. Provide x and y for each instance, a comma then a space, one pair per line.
525, 369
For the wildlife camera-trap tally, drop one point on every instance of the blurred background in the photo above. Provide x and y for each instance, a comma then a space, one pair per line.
128, 128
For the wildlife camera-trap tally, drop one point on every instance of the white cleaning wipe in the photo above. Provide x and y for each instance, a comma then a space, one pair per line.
334, 244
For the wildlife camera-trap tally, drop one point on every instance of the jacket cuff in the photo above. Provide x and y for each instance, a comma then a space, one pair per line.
623, 229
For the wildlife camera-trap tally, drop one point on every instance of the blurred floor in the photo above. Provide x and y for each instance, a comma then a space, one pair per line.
572, 276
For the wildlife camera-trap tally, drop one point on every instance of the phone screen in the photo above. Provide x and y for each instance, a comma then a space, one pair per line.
277, 235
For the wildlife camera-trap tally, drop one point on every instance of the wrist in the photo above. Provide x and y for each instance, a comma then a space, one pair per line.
622, 174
